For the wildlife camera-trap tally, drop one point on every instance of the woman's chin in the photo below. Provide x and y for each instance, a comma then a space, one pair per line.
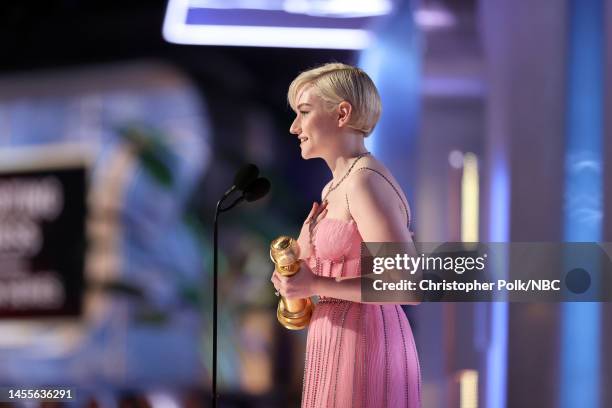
306, 154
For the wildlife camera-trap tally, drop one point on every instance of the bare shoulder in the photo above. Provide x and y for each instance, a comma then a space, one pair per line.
377, 204
374, 178
372, 183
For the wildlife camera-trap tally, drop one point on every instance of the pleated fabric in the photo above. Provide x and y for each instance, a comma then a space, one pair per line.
357, 355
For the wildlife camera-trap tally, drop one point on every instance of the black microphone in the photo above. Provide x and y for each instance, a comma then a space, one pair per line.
257, 189
245, 176
253, 192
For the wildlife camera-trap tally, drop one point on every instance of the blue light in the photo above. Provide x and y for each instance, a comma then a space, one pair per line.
394, 64
580, 324
497, 365
301, 24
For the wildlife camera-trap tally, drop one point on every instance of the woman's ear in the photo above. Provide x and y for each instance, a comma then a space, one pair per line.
344, 113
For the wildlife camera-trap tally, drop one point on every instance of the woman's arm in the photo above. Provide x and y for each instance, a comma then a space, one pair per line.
380, 217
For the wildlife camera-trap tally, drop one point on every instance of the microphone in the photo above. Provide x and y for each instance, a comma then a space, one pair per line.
257, 189
245, 176
253, 192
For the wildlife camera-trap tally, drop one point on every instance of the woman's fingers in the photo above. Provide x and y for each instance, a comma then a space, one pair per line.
321, 209
313, 212
276, 281
322, 215
316, 212
280, 283
315, 215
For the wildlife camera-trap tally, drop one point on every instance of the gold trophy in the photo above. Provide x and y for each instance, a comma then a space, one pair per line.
294, 314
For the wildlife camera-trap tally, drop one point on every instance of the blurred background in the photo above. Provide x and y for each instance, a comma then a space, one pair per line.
122, 123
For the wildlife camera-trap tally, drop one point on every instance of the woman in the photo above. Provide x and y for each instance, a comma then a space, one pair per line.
357, 354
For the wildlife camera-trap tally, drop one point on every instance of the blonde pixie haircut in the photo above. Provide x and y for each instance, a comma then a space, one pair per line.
335, 83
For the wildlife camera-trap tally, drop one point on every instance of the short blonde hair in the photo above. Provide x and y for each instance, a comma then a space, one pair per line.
335, 83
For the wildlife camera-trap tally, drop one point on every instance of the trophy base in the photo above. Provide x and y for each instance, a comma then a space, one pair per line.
298, 322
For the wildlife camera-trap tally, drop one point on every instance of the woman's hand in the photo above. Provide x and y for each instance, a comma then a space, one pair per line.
301, 285
317, 212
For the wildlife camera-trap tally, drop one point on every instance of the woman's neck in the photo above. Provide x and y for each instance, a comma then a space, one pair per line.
339, 164
349, 146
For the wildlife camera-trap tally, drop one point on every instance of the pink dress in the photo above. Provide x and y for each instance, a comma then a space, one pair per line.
357, 355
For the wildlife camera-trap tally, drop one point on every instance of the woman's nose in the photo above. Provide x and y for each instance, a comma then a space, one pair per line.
294, 128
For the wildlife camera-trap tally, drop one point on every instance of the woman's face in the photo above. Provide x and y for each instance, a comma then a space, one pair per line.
314, 125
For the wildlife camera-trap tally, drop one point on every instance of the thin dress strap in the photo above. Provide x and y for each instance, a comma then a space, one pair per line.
392, 186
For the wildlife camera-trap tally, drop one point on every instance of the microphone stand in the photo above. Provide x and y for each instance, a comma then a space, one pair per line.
252, 189
215, 278
218, 210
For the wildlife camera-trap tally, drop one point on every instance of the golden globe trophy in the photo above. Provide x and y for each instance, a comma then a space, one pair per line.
294, 314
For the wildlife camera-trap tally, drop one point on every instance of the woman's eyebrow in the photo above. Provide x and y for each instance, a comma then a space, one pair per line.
302, 104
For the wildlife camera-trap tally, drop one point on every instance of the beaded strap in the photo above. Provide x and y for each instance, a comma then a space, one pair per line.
344, 314
386, 382
392, 186
332, 187
399, 322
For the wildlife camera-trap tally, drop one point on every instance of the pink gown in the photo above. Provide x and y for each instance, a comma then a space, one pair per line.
357, 355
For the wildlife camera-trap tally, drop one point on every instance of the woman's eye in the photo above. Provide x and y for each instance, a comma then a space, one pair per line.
304, 112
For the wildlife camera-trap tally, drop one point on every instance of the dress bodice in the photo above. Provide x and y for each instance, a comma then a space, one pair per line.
335, 249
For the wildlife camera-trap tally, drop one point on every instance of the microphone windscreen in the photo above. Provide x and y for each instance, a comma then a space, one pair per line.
245, 176
256, 190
